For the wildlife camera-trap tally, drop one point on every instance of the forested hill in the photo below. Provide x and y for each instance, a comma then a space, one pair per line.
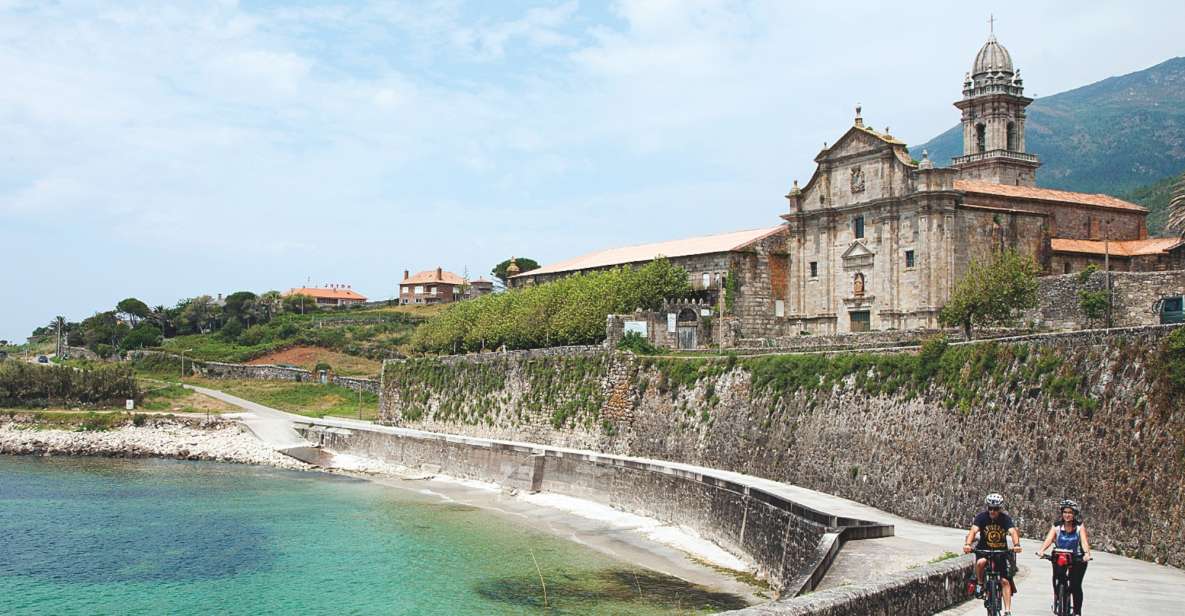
1116, 136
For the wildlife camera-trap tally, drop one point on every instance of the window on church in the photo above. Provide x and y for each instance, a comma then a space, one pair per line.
1012, 145
909, 263
980, 138
858, 227
814, 269
1066, 267
707, 280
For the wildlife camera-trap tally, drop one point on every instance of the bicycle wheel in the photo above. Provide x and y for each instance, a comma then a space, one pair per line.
1063, 600
992, 592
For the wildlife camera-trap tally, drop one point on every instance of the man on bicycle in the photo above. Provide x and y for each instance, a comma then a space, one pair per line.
993, 527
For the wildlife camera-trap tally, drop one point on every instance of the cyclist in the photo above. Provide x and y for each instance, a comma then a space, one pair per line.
1070, 534
994, 527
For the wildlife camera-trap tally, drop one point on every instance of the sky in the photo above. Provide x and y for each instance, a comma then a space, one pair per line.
165, 150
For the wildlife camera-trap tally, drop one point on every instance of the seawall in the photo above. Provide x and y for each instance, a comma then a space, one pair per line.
790, 543
1095, 415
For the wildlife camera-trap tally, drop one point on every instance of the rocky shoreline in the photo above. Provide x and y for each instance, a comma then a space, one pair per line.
221, 441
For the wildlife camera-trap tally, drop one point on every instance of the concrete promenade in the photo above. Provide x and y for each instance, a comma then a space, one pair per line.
1113, 584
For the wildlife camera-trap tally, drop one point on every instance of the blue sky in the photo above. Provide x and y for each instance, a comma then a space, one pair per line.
165, 150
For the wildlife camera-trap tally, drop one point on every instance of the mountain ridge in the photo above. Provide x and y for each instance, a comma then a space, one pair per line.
1121, 136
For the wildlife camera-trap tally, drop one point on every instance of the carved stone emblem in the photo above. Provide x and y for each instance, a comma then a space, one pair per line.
857, 180
858, 285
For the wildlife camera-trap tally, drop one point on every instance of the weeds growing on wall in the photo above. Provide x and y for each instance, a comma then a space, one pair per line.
962, 375
1168, 369
565, 390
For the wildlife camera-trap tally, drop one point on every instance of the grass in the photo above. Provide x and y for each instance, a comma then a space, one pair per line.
78, 421
375, 333
944, 556
308, 399
308, 357
173, 398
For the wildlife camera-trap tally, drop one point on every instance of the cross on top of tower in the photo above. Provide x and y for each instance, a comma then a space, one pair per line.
991, 24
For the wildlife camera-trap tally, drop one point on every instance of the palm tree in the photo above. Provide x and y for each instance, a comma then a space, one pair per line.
1177, 207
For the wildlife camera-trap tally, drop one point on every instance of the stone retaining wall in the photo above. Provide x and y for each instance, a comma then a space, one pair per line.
786, 541
1136, 296
1080, 414
370, 386
219, 370
917, 592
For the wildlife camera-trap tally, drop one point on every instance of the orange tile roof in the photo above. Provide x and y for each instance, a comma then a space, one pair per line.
429, 276
1122, 248
708, 244
326, 293
1045, 194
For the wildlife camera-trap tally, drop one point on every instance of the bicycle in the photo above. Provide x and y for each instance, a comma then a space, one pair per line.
993, 590
1061, 583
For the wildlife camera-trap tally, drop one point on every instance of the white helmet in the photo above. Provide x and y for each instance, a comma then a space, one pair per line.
994, 500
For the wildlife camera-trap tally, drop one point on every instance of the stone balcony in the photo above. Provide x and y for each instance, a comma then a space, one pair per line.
995, 155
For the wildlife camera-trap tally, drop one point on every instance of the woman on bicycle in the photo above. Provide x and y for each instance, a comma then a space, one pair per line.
1068, 533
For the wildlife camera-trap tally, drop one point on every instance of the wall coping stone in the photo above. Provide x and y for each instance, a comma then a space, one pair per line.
928, 589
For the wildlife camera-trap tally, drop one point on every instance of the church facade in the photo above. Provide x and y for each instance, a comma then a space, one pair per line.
878, 240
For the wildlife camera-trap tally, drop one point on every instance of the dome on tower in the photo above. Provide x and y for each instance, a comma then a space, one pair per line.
992, 58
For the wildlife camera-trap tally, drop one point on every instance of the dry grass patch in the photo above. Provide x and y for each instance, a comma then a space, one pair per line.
308, 357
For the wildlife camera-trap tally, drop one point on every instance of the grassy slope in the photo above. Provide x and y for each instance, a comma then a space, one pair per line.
382, 332
309, 399
1156, 198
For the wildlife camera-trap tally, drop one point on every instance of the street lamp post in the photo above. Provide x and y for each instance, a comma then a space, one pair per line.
183, 362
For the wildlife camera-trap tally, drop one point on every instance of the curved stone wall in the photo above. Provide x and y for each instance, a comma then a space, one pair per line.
789, 543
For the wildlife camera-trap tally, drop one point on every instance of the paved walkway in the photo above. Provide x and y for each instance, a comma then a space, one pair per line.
272, 426
1113, 584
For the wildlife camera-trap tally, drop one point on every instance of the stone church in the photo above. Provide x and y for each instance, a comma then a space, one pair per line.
877, 240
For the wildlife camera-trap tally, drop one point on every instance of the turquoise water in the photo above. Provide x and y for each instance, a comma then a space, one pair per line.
96, 536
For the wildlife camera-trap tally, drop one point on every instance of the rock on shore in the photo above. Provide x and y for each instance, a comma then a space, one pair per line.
219, 441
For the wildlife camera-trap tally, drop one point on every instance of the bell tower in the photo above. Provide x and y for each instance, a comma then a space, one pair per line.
993, 107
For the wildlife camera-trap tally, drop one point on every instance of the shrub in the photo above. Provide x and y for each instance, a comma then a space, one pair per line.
231, 329
256, 334
637, 344
322, 366
1093, 304
571, 310
1084, 275
22, 384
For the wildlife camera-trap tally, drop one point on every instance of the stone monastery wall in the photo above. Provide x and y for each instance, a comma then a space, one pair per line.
1093, 415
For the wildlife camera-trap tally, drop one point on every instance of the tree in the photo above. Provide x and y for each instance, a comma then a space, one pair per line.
240, 305
134, 309
198, 314
992, 293
300, 304
104, 328
524, 265
1177, 207
270, 304
145, 334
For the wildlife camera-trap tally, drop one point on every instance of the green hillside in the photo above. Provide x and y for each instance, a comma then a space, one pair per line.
1117, 136
1155, 197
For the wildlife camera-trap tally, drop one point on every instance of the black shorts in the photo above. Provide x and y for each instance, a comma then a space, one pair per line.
1005, 563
